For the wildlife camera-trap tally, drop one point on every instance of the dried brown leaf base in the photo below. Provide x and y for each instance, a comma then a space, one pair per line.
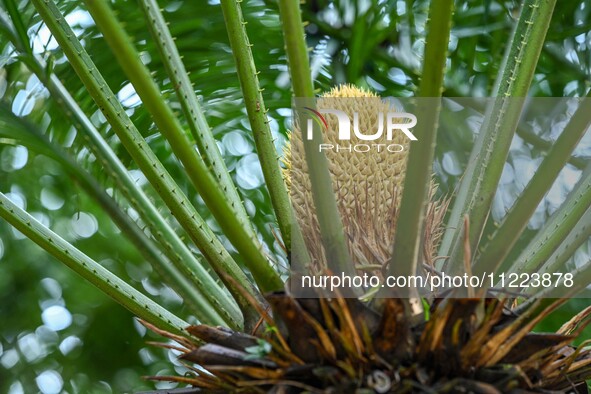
343, 346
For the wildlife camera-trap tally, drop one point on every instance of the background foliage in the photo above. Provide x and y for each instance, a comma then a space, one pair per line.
58, 333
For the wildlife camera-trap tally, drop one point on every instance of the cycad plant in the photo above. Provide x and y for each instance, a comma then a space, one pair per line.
198, 230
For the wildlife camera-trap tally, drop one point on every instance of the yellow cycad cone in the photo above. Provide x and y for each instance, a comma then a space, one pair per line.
368, 185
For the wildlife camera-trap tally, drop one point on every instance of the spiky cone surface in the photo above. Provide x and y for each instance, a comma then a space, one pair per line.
367, 185
341, 346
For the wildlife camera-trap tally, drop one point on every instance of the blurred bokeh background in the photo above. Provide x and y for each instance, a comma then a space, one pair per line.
59, 334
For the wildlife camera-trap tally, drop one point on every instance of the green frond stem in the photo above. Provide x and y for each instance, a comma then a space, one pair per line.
137, 303
20, 30
543, 144
526, 133
146, 160
190, 104
510, 229
196, 302
557, 228
203, 285
481, 178
578, 236
240, 233
562, 290
172, 246
177, 252
257, 115
296, 48
329, 220
417, 182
